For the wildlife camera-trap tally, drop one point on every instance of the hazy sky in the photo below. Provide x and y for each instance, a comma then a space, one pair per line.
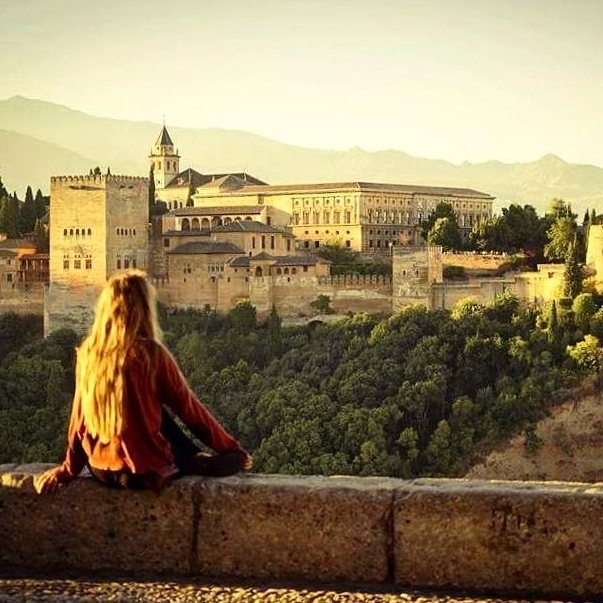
452, 79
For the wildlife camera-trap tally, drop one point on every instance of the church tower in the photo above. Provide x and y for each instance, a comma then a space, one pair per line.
164, 160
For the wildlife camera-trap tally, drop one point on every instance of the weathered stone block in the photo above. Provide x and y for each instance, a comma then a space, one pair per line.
279, 527
500, 536
85, 526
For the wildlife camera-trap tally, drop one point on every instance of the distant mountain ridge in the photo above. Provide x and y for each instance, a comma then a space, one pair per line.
39, 139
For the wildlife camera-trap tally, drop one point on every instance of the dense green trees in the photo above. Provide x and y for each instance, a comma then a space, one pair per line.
404, 395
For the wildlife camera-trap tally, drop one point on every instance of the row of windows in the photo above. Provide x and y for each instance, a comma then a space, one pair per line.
321, 200
196, 224
304, 218
125, 263
77, 232
77, 262
307, 244
170, 166
327, 232
258, 272
129, 232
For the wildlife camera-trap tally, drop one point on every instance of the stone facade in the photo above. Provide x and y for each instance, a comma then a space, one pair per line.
99, 225
244, 240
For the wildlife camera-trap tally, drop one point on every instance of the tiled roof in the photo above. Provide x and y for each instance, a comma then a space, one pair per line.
203, 232
411, 189
250, 226
183, 179
217, 210
279, 260
17, 244
240, 262
164, 138
197, 248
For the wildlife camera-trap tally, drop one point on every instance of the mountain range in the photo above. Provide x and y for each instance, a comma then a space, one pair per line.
39, 139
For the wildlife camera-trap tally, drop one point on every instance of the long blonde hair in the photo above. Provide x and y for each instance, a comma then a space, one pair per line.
125, 314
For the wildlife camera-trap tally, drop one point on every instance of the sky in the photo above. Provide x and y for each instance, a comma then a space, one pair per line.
461, 80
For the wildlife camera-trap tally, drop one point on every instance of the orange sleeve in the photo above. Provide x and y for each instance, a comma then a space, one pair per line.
75, 457
176, 394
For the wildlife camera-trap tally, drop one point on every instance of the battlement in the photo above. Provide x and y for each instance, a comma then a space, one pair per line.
496, 537
95, 179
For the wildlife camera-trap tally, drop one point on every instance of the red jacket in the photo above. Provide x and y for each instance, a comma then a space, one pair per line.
140, 447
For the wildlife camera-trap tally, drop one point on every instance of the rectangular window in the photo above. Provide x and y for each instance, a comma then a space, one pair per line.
65, 264
88, 263
126, 263
263, 242
77, 264
252, 242
268, 220
288, 244
348, 217
133, 263
272, 242
119, 263
166, 242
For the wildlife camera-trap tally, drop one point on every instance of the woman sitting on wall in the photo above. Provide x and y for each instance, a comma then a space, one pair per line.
131, 399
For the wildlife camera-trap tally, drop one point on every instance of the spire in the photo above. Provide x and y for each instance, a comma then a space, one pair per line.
164, 138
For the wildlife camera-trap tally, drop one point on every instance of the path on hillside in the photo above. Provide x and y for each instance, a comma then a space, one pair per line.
26, 590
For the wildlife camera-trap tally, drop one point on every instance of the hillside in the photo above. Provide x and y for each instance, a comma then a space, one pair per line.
77, 141
571, 448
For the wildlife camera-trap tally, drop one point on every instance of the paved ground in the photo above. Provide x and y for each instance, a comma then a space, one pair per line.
65, 590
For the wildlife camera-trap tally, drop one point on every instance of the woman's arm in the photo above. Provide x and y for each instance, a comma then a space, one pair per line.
75, 457
176, 393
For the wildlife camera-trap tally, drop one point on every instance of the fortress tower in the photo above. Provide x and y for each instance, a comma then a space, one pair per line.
164, 160
98, 226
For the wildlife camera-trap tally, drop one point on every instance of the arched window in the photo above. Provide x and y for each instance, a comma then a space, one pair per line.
258, 271
134, 231
65, 232
293, 270
217, 221
227, 220
279, 271
205, 223
248, 219
286, 271
186, 225
71, 232
195, 224
77, 232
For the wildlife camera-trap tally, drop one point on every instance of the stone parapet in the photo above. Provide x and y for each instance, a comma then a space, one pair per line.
506, 537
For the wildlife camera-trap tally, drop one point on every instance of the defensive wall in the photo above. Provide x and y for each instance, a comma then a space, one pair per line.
22, 298
518, 538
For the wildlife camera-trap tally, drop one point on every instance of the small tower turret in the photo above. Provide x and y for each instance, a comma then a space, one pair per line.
163, 158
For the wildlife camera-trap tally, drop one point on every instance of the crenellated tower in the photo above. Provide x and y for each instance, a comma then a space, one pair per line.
164, 159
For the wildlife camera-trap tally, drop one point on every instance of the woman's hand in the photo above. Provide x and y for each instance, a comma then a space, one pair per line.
48, 481
248, 462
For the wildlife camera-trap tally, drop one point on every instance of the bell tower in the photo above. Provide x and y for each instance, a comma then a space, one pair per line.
164, 160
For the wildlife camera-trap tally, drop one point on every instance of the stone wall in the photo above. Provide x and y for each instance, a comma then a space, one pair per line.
498, 537
22, 298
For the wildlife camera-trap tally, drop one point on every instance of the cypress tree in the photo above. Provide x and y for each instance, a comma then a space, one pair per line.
572, 276
27, 217
151, 191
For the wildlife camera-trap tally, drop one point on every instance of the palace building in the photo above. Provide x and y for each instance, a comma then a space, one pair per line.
362, 216
228, 238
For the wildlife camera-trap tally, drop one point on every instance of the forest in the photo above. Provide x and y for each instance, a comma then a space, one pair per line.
418, 393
